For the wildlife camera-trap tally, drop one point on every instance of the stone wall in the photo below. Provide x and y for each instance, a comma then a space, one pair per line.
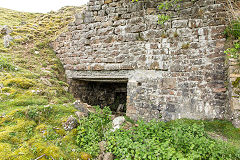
173, 71
234, 90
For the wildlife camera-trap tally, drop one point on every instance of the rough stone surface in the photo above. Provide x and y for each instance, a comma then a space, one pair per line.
6, 40
234, 99
108, 156
70, 124
117, 122
102, 146
5, 30
80, 115
172, 71
81, 107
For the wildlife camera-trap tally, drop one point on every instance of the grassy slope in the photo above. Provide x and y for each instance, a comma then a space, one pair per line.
34, 101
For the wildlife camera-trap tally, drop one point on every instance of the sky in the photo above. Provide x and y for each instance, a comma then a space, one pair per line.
40, 6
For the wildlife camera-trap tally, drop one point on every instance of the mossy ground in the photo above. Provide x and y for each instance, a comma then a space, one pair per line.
34, 101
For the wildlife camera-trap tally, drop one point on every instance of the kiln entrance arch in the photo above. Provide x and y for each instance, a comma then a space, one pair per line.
102, 92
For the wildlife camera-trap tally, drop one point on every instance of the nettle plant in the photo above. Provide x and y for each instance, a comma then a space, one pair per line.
232, 32
164, 6
234, 52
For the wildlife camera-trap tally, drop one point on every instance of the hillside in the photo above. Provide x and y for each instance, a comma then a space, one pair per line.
34, 103
33, 94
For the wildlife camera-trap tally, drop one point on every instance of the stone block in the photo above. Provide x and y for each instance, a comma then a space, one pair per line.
179, 23
171, 107
169, 83
107, 1
235, 103
135, 28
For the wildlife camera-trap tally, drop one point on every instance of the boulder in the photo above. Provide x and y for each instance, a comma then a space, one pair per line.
70, 124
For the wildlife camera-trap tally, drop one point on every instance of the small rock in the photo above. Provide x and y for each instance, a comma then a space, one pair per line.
22, 23
65, 88
100, 157
6, 40
80, 115
118, 121
236, 119
1, 85
70, 124
81, 107
45, 81
7, 94
102, 146
34, 25
3, 115
108, 156
18, 37
120, 108
5, 30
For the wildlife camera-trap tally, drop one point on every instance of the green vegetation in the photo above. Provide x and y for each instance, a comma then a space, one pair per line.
34, 101
233, 30
164, 6
92, 130
5, 64
15, 18
180, 139
159, 140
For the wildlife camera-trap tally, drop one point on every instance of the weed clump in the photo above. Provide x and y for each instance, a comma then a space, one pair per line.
23, 83
180, 139
5, 64
233, 30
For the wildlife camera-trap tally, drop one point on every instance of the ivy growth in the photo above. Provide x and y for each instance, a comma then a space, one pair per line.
234, 51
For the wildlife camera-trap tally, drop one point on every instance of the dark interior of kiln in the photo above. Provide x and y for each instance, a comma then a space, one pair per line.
95, 93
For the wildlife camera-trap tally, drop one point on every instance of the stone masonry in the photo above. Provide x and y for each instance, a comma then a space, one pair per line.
175, 70
234, 99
